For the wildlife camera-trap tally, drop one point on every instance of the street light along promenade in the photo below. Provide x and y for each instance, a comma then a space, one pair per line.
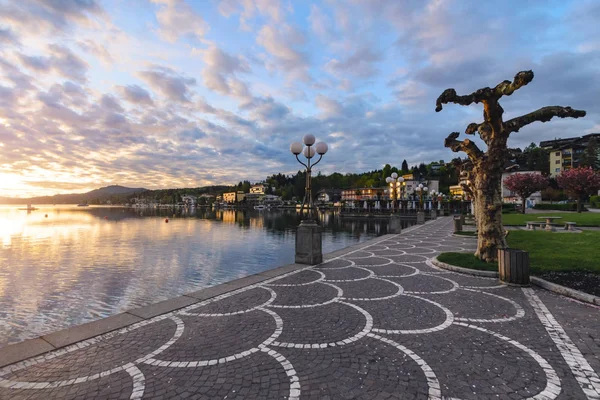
308, 234
309, 152
396, 183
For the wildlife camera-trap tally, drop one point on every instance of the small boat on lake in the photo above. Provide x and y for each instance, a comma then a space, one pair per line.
29, 208
83, 205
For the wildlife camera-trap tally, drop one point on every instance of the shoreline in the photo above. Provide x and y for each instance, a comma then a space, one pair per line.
16, 352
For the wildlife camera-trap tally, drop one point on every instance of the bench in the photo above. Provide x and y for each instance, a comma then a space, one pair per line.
570, 226
531, 225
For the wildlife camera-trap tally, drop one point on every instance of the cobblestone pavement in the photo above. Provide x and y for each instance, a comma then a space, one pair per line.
376, 323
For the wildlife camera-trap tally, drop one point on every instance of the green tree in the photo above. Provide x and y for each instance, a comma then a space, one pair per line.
591, 155
404, 167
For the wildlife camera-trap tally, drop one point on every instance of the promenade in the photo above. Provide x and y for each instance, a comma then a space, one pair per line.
375, 321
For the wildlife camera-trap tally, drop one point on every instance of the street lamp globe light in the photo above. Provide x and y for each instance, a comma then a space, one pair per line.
308, 150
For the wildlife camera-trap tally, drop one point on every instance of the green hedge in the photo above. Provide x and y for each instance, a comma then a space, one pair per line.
509, 208
558, 207
595, 201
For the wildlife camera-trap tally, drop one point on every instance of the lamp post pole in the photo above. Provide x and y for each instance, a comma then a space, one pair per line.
421, 212
395, 182
308, 234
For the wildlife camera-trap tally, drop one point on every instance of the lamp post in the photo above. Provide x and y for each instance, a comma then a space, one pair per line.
421, 214
308, 234
395, 182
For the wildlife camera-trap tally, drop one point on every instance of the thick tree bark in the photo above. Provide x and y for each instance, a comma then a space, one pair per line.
523, 200
488, 166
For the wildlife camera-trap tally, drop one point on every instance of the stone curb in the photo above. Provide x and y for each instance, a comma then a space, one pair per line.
476, 272
565, 291
544, 284
464, 236
13, 353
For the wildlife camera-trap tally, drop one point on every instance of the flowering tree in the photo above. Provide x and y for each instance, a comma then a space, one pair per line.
579, 182
488, 165
525, 184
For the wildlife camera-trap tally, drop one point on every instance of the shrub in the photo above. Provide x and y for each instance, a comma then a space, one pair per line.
509, 208
558, 207
595, 201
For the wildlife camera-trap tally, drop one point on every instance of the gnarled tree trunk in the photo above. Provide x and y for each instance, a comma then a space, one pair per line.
488, 166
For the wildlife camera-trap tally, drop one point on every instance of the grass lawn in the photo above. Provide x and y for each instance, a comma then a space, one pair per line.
466, 233
548, 251
466, 261
583, 219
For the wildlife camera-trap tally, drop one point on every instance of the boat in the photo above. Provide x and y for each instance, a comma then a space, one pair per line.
83, 205
260, 207
29, 208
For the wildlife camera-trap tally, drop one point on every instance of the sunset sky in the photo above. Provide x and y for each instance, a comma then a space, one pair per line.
168, 93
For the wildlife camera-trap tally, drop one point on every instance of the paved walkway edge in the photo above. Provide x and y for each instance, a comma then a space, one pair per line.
29, 348
476, 272
544, 284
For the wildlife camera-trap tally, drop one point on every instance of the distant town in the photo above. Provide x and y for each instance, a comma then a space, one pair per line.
549, 158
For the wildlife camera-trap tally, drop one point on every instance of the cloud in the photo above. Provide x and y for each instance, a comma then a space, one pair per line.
52, 16
329, 107
96, 49
169, 83
248, 9
7, 37
282, 42
135, 94
220, 74
61, 60
360, 63
177, 19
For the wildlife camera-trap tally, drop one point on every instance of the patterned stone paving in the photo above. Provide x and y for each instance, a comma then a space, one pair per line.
377, 323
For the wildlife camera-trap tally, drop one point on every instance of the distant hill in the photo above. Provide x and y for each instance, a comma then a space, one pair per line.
112, 193
112, 190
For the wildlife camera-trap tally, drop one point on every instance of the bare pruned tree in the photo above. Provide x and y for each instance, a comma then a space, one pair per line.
486, 174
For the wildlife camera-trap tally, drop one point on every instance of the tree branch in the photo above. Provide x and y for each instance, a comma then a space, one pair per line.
505, 88
466, 145
544, 114
484, 129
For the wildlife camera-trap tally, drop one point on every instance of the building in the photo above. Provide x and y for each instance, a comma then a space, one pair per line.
511, 197
457, 192
189, 201
360, 194
258, 189
329, 195
233, 197
565, 154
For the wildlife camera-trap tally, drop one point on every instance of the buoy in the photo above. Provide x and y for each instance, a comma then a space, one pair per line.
167, 220
46, 215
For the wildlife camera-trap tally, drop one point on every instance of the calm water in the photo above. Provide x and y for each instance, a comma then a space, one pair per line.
80, 264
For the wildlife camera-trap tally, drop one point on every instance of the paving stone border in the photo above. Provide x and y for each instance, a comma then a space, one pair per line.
29, 348
552, 287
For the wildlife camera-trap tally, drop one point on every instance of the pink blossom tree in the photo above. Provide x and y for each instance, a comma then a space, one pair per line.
579, 183
525, 184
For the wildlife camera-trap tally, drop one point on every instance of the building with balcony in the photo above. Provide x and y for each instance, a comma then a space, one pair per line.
565, 154
258, 189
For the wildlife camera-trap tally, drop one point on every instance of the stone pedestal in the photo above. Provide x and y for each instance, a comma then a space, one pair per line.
420, 218
308, 243
457, 224
395, 226
433, 214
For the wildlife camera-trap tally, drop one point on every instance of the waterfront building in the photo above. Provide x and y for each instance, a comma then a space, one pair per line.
258, 189
233, 197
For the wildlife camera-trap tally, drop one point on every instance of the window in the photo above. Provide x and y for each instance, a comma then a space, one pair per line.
557, 153
557, 162
557, 170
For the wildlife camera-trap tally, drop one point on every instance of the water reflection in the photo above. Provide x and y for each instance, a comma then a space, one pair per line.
61, 266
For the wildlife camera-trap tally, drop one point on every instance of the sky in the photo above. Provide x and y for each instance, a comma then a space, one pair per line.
174, 93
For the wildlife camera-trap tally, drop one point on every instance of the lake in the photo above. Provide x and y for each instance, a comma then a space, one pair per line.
65, 265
